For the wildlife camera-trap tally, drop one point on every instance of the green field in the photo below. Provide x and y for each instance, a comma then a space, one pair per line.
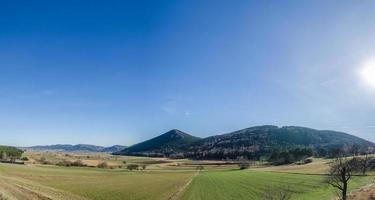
175, 179
249, 184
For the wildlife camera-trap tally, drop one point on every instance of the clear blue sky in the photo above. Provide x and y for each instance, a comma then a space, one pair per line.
119, 72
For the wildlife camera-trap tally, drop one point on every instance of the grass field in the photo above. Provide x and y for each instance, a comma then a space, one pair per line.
92, 183
250, 184
163, 179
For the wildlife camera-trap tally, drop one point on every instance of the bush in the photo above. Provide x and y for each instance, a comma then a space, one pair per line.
78, 163
64, 163
44, 161
308, 160
103, 165
24, 158
304, 162
244, 165
132, 167
67, 163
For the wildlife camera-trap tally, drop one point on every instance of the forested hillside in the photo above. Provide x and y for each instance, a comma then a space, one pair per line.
250, 143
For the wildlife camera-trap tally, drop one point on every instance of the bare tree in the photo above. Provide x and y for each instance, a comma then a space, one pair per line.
340, 173
365, 164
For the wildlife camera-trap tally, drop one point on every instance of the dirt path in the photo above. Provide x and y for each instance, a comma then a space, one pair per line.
13, 188
179, 192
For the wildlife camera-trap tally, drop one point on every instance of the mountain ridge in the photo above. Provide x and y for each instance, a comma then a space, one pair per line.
252, 142
77, 147
164, 144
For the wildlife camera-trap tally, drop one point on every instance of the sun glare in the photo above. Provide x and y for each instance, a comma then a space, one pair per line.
368, 73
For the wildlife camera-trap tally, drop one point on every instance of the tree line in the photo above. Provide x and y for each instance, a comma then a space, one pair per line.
10, 154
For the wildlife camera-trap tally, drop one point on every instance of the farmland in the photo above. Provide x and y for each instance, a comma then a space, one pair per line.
87, 183
249, 184
162, 179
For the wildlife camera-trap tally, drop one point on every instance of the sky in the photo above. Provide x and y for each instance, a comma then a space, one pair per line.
119, 72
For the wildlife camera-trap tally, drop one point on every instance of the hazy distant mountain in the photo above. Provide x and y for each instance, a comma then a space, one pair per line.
168, 143
114, 148
253, 142
78, 147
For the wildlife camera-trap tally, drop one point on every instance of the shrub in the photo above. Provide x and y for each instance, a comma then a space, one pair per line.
24, 158
64, 163
44, 161
78, 163
103, 165
132, 167
308, 160
67, 163
244, 165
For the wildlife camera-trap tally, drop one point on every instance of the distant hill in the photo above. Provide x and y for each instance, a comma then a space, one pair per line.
256, 142
252, 143
78, 147
168, 143
114, 148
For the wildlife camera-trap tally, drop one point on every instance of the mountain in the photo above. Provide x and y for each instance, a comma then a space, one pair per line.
114, 148
168, 143
258, 141
253, 143
78, 147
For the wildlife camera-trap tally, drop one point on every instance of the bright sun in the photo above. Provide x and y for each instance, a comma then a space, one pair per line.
368, 72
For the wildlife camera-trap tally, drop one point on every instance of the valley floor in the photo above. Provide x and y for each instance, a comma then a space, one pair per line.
167, 180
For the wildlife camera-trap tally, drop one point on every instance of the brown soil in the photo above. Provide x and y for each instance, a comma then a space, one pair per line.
365, 193
22, 189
